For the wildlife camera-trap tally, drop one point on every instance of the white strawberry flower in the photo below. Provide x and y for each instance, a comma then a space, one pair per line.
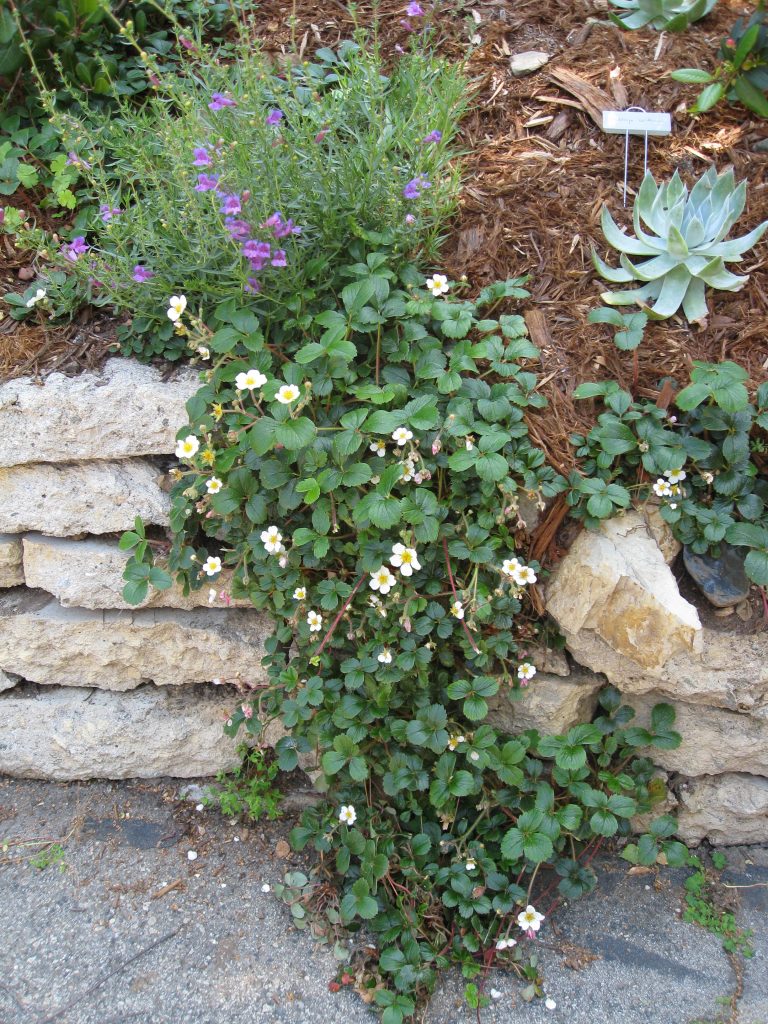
187, 448
530, 919
314, 621
401, 435
250, 380
37, 297
454, 741
300, 594
469, 443
457, 610
385, 657
405, 559
675, 475
271, 538
470, 865
662, 488
203, 352
347, 815
526, 671
524, 574
382, 580
211, 566
214, 485
176, 306
409, 472
437, 284
379, 448
510, 566
287, 393
506, 944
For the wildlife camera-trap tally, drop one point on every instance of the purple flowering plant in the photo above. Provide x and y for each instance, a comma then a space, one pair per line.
239, 184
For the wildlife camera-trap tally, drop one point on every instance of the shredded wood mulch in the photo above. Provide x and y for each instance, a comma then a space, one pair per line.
537, 170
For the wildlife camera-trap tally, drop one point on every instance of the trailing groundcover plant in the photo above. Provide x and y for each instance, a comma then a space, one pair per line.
353, 465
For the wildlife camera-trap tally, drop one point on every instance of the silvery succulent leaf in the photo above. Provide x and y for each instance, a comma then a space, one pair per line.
682, 238
663, 15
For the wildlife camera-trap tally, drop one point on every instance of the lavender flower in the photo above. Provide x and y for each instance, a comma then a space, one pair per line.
206, 182
414, 10
108, 212
278, 258
219, 101
75, 249
434, 136
142, 274
257, 252
231, 204
238, 229
280, 228
416, 186
410, 219
73, 160
253, 286
275, 116
201, 157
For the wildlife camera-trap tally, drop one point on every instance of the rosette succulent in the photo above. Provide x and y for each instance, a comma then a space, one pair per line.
686, 249
663, 15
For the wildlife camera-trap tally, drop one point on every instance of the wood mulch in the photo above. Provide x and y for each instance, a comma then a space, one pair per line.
537, 171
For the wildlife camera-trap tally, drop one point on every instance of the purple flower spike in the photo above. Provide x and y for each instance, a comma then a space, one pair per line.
201, 157
108, 212
75, 249
231, 205
238, 229
206, 182
414, 10
219, 101
253, 286
141, 274
255, 250
278, 258
416, 186
275, 116
434, 136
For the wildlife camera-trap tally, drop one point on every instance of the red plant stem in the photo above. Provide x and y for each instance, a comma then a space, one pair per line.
474, 646
336, 621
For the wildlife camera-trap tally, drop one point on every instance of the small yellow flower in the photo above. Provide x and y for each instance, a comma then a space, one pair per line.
217, 411
208, 456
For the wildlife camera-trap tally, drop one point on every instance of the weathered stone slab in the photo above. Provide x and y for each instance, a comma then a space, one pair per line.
614, 586
730, 672
726, 810
713, 740
550, 704
11, 571
89, 574
60, 733
67, 499
114, 650
124, 409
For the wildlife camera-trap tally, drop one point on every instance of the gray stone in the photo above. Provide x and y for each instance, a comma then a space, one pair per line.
549, 704
61, 733
6, 681
11, 571
45, 643
721, 580
89, 574
528, 62
67, 499
730, 672
726, 810
614, 586
124, 409
713, 741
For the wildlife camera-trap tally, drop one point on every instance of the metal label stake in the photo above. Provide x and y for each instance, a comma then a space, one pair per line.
636, 121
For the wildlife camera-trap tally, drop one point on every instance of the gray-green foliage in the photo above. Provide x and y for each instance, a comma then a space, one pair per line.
686, 249
663, 15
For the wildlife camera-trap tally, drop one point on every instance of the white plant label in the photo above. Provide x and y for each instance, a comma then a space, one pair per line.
636, 122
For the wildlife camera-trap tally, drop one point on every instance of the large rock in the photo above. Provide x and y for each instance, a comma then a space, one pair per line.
113, 650
713, 741
11, 571
550, 704
60, 733
124, 409
89, 574
615, 586
730, 672
726, 810
64, 500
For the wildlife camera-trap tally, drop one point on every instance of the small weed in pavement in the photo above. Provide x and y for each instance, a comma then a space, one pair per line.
705, 905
